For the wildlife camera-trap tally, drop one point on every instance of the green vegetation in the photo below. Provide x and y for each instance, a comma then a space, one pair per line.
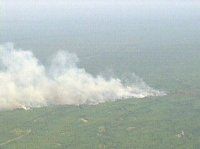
151, 123
161, 45
169, 122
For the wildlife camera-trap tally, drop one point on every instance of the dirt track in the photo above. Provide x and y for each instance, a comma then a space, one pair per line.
15, 139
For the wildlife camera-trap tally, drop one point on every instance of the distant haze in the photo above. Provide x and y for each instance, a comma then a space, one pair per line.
60, 47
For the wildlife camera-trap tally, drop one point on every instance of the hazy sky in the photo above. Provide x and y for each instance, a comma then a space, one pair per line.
59, 23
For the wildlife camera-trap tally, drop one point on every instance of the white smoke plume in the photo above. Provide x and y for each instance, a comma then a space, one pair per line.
25, 83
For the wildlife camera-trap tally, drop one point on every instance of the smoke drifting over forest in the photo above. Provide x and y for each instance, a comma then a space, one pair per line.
25, 82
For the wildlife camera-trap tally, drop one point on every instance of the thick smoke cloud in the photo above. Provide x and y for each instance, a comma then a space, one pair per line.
25, 83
